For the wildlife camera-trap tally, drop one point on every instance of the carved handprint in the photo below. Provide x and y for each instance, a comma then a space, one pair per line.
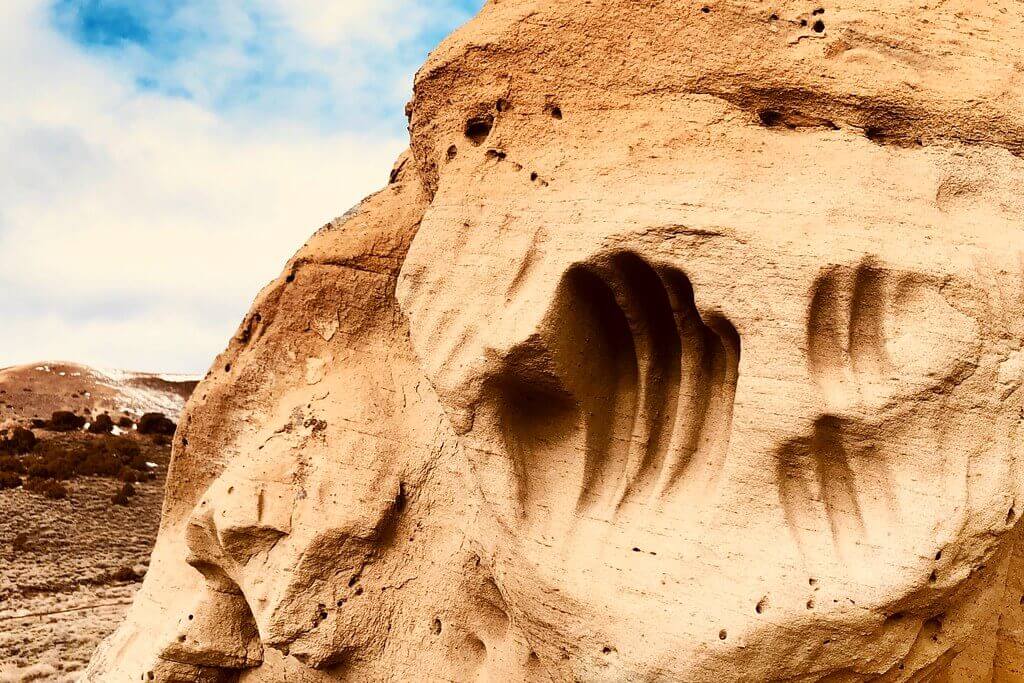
626, 391
876, 338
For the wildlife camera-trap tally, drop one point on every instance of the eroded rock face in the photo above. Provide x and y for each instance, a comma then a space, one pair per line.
685, 344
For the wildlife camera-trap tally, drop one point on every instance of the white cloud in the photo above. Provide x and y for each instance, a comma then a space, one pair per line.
332, 24
110, 193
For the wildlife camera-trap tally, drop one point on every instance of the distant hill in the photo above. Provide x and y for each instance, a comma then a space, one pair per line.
37, 390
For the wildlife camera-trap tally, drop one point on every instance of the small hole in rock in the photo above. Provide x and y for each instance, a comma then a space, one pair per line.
774, 17
818, 26
533, 176
556, 113
761, 605
502, 105
933, 577
290, 278
769, 117
190, 617
705, 9
478, 128
181, 639
359, 591
453, 151
722, 635
227, 368
436, 627
810, 604
820, 10
938, 555
1010, 516
606, 650
812, 582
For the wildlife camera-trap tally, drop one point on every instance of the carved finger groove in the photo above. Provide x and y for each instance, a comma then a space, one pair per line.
653, 387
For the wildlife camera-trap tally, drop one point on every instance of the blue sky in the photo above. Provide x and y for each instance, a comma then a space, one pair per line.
165, 158
336, 69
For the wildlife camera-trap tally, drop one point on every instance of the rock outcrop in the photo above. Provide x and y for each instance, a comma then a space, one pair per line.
684, 344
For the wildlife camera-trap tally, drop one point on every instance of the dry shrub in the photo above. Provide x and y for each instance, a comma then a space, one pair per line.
47, 487
55, 490
124, 574
128, 475
104, 456
9, 480
108, 456
99, 464
21, 542
19, 441
122, 496
9, 463
59, 466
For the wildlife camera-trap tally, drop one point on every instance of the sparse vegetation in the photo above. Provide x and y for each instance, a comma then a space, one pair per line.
124, 575
81, 557
47, 487
57, 460
55, 490
9, 480
9, 463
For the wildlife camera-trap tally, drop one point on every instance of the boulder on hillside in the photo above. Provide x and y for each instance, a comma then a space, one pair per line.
156, 423
101, 425
65, 421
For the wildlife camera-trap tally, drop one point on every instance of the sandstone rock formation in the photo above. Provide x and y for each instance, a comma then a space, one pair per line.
684, 344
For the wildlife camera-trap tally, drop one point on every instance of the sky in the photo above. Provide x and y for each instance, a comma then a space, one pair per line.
164, 158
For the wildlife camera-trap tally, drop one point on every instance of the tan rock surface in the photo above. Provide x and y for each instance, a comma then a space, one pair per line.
685, 344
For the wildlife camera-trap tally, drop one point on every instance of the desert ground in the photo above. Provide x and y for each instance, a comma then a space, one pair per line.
70, 562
